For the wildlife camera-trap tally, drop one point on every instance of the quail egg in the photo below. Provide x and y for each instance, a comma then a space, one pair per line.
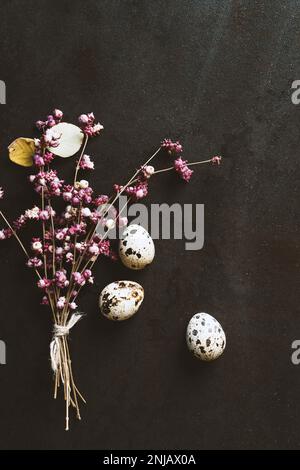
120, 300
205, 337
136, 248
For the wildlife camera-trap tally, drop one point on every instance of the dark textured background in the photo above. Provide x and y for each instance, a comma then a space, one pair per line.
216, 75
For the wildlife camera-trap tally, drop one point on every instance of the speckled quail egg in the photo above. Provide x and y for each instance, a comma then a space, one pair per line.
121, 300
136, 248
205, 337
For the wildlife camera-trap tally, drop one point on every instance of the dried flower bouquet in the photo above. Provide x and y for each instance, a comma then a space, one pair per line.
68, 244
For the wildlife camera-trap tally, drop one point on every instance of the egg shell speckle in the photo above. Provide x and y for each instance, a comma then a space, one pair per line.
136, 248
205, 337
120, 300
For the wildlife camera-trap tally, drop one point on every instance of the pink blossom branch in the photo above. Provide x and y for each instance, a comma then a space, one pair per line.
18, 239
188, 164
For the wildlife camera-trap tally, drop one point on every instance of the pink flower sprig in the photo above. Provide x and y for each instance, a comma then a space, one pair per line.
47, 182
173, 148
86, 163
216, 160
50, 121
88, 126
182, 169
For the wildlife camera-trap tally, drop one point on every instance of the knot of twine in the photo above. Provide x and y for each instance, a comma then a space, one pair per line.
58, 332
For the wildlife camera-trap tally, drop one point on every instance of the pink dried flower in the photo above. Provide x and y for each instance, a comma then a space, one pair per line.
44, 283
40, 125
87, 124
57, 114
85, 212
94, 217
138, 191
99, 200
50, 211
82, 184
147, 171
7, 233
73, 305
48, 157
86, 163
36, 245
94, 249
32, 214
69, 257
51, 137
60, 234
77, 229
75, 201
61, 279
61, 303
47, 182
50, 121
2, 235
78, 278
216, 160
34, 262
19, 223
173, 148
67, 196
48, 248
87, 273
44, 215
66, 247
182, 169
80, 246
83, 120
96, 129
104, 247
38, 160
45, 300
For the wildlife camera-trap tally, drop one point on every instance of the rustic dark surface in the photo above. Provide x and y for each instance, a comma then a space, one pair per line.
217, 75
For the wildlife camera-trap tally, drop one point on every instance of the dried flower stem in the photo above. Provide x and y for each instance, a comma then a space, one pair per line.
188, 164
14, 234
171, 168
132, 179
44, 231
80, 158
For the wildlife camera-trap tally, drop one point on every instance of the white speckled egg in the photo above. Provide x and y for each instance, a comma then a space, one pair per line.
136, 248
121, 299
205, 337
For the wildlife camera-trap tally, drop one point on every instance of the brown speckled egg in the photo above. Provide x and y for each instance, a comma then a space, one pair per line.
136, 248
205, 337
120, 300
